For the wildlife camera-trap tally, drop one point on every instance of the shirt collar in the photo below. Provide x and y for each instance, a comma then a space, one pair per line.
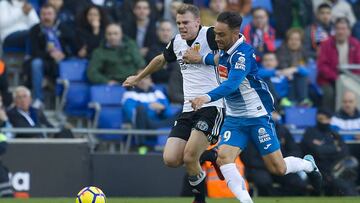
237, 43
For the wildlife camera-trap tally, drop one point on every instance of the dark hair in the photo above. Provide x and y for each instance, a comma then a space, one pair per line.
47, 5
232, 19
292, 31
137, 1
322, 6
343, 20
189, 8
325, 112
115, 24
83, 21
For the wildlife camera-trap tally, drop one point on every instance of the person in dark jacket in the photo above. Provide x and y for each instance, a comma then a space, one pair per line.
328, 149
142, 28
90, 30
23, 115
50, 43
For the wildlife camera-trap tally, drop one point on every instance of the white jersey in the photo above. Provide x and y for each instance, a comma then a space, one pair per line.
198, 79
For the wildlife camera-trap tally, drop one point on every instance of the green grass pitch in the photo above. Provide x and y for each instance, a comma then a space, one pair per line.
189, 200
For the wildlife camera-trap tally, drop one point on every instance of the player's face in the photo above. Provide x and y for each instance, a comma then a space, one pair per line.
188, 25
223, 36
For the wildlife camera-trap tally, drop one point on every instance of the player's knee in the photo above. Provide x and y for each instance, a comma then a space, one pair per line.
278, 169
172, 162
223, 159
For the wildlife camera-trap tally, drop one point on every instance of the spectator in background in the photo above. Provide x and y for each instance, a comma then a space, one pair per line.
275, 79
298, 14
260, 34
292, 62
245, 12
164, 36
23, 115
291, 184
209, 15
338, 50
50, 43
111, 8
328, 149
4, 120
147, 107
63, 15
90, 30
170, 12
341, 8
142, 29
16, 18
115, 59
347, 118
319, 31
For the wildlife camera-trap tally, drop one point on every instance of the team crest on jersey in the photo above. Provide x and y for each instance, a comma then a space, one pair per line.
197, 46
202, 125
240, 64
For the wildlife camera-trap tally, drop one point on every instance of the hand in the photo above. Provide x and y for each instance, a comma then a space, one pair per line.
197, 103
3, 116
57, 55
318, 142
112, 82
156, 106
83, 52
192, 56
131, 81
26, 8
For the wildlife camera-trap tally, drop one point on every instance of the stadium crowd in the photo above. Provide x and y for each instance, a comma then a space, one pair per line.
301, 49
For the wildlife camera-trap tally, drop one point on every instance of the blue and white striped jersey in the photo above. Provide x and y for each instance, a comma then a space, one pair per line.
246, 95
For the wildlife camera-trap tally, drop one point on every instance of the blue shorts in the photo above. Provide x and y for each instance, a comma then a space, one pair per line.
261, 131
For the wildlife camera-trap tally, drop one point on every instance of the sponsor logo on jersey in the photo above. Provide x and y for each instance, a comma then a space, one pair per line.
240, 64
223, 72
263, 135
267, 146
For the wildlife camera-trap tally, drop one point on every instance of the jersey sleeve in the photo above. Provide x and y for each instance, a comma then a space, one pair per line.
210, 36
169, 53
240, 68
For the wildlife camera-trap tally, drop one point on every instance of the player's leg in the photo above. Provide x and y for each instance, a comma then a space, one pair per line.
195, 146
175, 144
264, 137
206, 121
173, 152
233, 139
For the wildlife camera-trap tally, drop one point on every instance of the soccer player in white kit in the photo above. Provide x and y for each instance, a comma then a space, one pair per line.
193, 131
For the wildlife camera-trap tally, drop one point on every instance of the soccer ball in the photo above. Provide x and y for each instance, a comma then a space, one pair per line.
90, 195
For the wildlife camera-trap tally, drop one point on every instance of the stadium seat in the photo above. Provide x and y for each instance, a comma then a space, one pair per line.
73, 89
106, 100
300, 117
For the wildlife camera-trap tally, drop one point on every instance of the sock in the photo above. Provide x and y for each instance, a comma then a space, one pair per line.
235, 182
197, 183
295, 164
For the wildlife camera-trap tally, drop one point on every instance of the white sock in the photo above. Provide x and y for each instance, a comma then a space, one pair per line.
235, 182
295, 164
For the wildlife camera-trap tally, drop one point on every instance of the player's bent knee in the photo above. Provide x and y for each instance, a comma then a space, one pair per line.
224, 159
172, 162
279, 169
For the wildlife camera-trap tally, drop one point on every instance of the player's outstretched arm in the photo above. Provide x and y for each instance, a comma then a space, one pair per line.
193, 56
155, 64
